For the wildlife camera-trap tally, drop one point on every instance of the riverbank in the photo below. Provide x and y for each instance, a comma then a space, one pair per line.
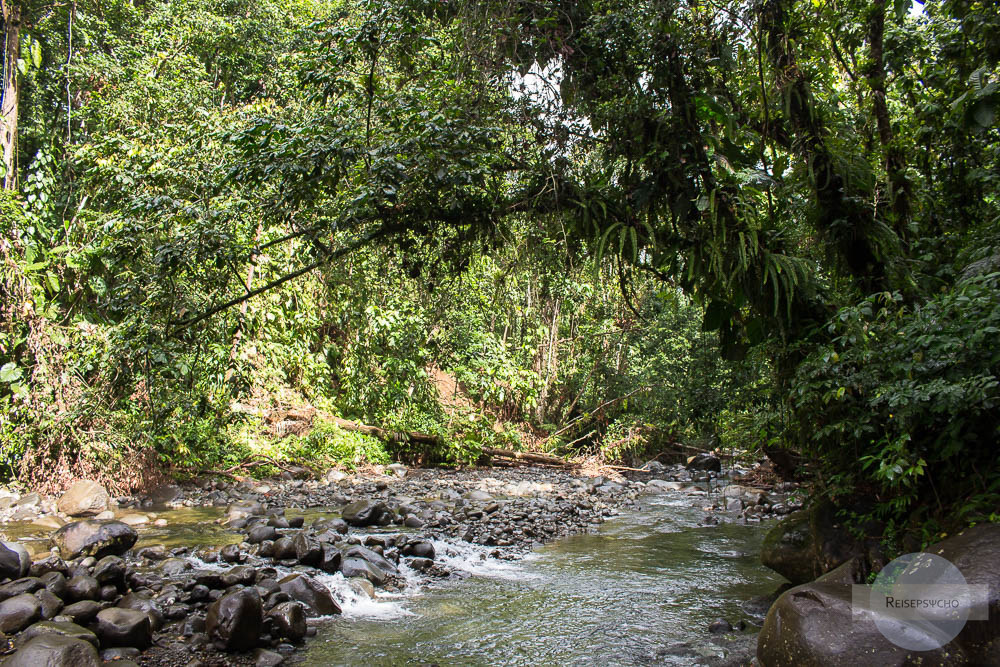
282, 554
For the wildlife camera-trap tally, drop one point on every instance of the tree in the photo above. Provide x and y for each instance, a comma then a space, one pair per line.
9, 92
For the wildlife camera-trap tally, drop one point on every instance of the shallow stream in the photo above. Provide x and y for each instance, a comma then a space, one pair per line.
642, 590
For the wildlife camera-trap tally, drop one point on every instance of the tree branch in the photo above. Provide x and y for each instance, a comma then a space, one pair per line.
336, 254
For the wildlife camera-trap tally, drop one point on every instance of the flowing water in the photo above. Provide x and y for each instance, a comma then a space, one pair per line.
641, 590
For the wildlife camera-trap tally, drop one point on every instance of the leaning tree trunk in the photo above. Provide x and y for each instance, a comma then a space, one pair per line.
8, 94
844, 217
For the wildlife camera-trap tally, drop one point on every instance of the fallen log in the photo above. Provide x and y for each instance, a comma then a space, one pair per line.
529, 457
386, 434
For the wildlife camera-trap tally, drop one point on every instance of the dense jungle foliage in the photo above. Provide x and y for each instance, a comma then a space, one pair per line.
597, 227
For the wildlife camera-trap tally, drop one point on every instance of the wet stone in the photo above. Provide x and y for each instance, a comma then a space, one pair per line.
64, 629
18, 612
234, 621
124, 627
311, 593
51, 605
289, 620
82, 612
53, 650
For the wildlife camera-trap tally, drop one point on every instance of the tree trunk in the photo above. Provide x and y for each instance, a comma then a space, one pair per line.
11, 10
895, 161
843, 217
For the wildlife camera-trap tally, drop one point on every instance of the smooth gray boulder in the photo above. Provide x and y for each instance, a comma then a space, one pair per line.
92, 537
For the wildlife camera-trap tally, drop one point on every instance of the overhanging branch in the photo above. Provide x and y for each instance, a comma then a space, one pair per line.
179, 326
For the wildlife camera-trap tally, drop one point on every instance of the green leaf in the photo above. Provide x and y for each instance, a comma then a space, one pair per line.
36, 53
983, 112
9, 372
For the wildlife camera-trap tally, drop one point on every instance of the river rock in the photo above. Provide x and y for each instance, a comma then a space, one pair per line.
15, 561
359, 567
808, 543
54, 650
289, 619
815, 623
95, 538
242, 575
19, 612
110, 571
364, 512
379, 561
49, 522
55, 582
259, 534
720, 626
662, 486
82, 612
331, 559
307, 551
18, 586
976, 552
172, 567
704, 462
164, 494
234, 621
84, 497
62, 628
82, 587
138, 601
311, 593
124, 627
51, 605
420, 549
283, 549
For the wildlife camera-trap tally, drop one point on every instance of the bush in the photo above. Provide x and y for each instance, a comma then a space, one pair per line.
911, 393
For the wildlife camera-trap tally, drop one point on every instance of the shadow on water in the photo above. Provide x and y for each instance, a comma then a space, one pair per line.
642, 590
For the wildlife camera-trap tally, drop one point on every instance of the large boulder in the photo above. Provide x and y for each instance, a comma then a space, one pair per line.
91, 537
817, 624
54, 650
15, 561
314, 595
811, 542
813, 626
234, 621
19, 612
84, 497
976, 553
364, 512
124, 627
